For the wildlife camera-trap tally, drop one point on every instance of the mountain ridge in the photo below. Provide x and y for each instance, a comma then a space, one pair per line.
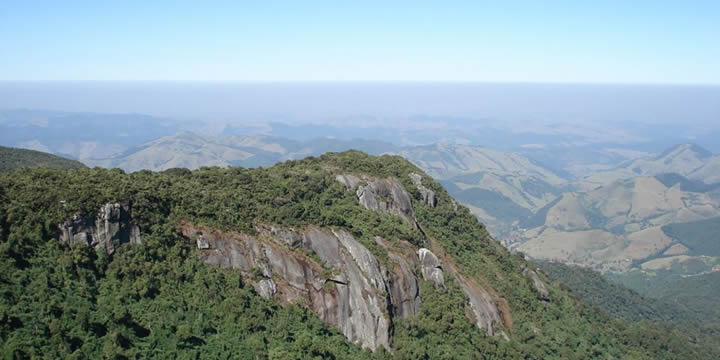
185, 289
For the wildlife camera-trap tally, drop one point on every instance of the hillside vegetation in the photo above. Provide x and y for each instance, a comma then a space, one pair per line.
700, 237
12, 158
592, 288
158, 299
698, 295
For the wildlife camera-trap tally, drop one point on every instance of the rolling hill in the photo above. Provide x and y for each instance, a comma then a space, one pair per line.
12, 158
188, 150
80, 135
614, 226
500, 187
688, 160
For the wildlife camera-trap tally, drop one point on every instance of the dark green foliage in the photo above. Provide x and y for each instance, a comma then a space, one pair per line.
702, 237
617, 300
157, 300
698, 296
12, 158
441, 331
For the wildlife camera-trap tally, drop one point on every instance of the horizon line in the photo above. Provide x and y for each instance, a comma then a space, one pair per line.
387, 82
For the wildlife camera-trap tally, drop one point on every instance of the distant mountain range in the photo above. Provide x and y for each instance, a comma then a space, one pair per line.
189, 150
611, 220
688, 160
499, 187
598, 206
615, 225
80, 135
614, 219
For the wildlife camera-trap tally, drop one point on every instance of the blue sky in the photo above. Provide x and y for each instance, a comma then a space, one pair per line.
495, 41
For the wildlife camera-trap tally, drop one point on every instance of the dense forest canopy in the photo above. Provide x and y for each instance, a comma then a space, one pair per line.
156, 299
12, 158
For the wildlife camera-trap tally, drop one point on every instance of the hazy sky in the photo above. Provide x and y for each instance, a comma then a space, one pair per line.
521, 41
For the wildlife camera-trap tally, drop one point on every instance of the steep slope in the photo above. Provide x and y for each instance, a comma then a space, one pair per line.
369, 246
698, 296
11, 158
612, 226
615, 299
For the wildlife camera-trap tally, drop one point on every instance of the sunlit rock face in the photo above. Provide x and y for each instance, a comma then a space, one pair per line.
338, 278
342, 282
387, 196
111, 228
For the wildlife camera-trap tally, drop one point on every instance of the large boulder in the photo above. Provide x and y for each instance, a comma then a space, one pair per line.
387, 196
111, 228
428, 195
431, 268
538, 284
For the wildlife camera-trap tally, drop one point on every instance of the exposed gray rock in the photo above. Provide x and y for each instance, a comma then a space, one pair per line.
364, 259
325, 245
427, 194
288, 237
538, 284
355, 299
111, 228
342, 282
485, 313
430, 268
201, 242
266, 288
383, 195
368, 321
367, 197
292, 269
404, 288
350, 181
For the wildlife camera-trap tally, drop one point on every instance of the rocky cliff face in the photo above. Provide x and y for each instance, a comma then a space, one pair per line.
336, 276
328, 271
111, 228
